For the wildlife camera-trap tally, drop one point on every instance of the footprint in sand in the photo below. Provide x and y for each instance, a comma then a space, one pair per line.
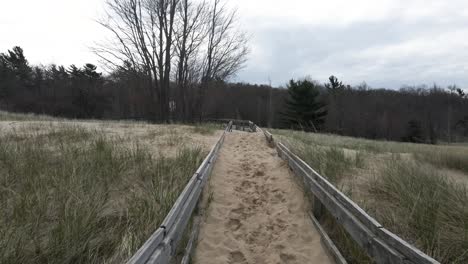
234, 224
276, 190
278, 198
246, 167
276, 226
247, 184
241, 212
287, 258
259, 173
236, 257
245, 187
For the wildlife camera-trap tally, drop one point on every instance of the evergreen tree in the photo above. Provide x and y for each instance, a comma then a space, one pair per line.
334, 84
304, 107
15, 73
335, 89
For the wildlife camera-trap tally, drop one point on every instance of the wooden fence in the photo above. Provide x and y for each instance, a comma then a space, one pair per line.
161, 247
242, 125
379, 243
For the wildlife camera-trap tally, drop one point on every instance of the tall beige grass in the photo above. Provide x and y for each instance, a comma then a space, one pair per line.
73, 195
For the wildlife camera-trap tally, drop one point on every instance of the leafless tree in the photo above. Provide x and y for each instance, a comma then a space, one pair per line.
191, 31
227, 47
186, 42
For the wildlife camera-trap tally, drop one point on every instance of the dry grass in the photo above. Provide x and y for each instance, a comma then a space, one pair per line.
404, 186
80, 193
8, 116
424, 207
206, 128
443, 156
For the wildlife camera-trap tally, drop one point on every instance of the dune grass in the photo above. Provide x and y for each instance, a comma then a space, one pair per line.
77, 196
206, 128
408, 191
424, 207
332, 162
443, 156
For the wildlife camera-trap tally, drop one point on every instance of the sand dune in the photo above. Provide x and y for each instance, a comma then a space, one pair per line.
257, 213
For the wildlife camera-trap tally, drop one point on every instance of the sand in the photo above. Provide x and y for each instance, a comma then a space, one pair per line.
257, 213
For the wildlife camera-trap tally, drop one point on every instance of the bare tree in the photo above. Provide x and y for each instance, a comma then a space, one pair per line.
227, 47
191, 31
143, 32
152, 36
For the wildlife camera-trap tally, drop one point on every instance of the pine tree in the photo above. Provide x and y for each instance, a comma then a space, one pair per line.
304, 108
334, 84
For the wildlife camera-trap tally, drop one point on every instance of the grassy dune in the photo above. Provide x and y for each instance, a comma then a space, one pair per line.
74, 194
417, 191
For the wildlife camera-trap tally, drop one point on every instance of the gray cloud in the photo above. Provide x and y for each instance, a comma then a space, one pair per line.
387, 43
386, 53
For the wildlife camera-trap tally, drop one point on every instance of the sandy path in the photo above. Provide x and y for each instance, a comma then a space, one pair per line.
257, 213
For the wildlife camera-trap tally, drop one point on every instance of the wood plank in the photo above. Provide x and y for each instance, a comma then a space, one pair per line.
145, 252
175, 233
182, 222
156, 249
374, 247
268, 136
191, 244
162, 255
206, 160
165, 252
351, 205
327, 242
178, 205
412, 253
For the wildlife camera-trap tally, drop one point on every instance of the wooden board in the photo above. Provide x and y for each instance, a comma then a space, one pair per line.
145, 252
351, 205
327, 242
191, 244
363, 236
381, 244
161, 246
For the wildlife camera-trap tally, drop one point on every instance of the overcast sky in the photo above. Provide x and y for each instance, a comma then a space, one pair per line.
387, 43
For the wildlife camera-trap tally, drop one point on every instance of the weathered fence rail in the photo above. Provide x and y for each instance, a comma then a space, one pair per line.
162, 245
380, 244
236, 124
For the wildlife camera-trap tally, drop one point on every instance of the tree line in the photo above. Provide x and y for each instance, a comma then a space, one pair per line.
417, 114
171, 61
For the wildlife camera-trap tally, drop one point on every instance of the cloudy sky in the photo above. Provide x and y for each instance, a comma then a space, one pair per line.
387, 43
